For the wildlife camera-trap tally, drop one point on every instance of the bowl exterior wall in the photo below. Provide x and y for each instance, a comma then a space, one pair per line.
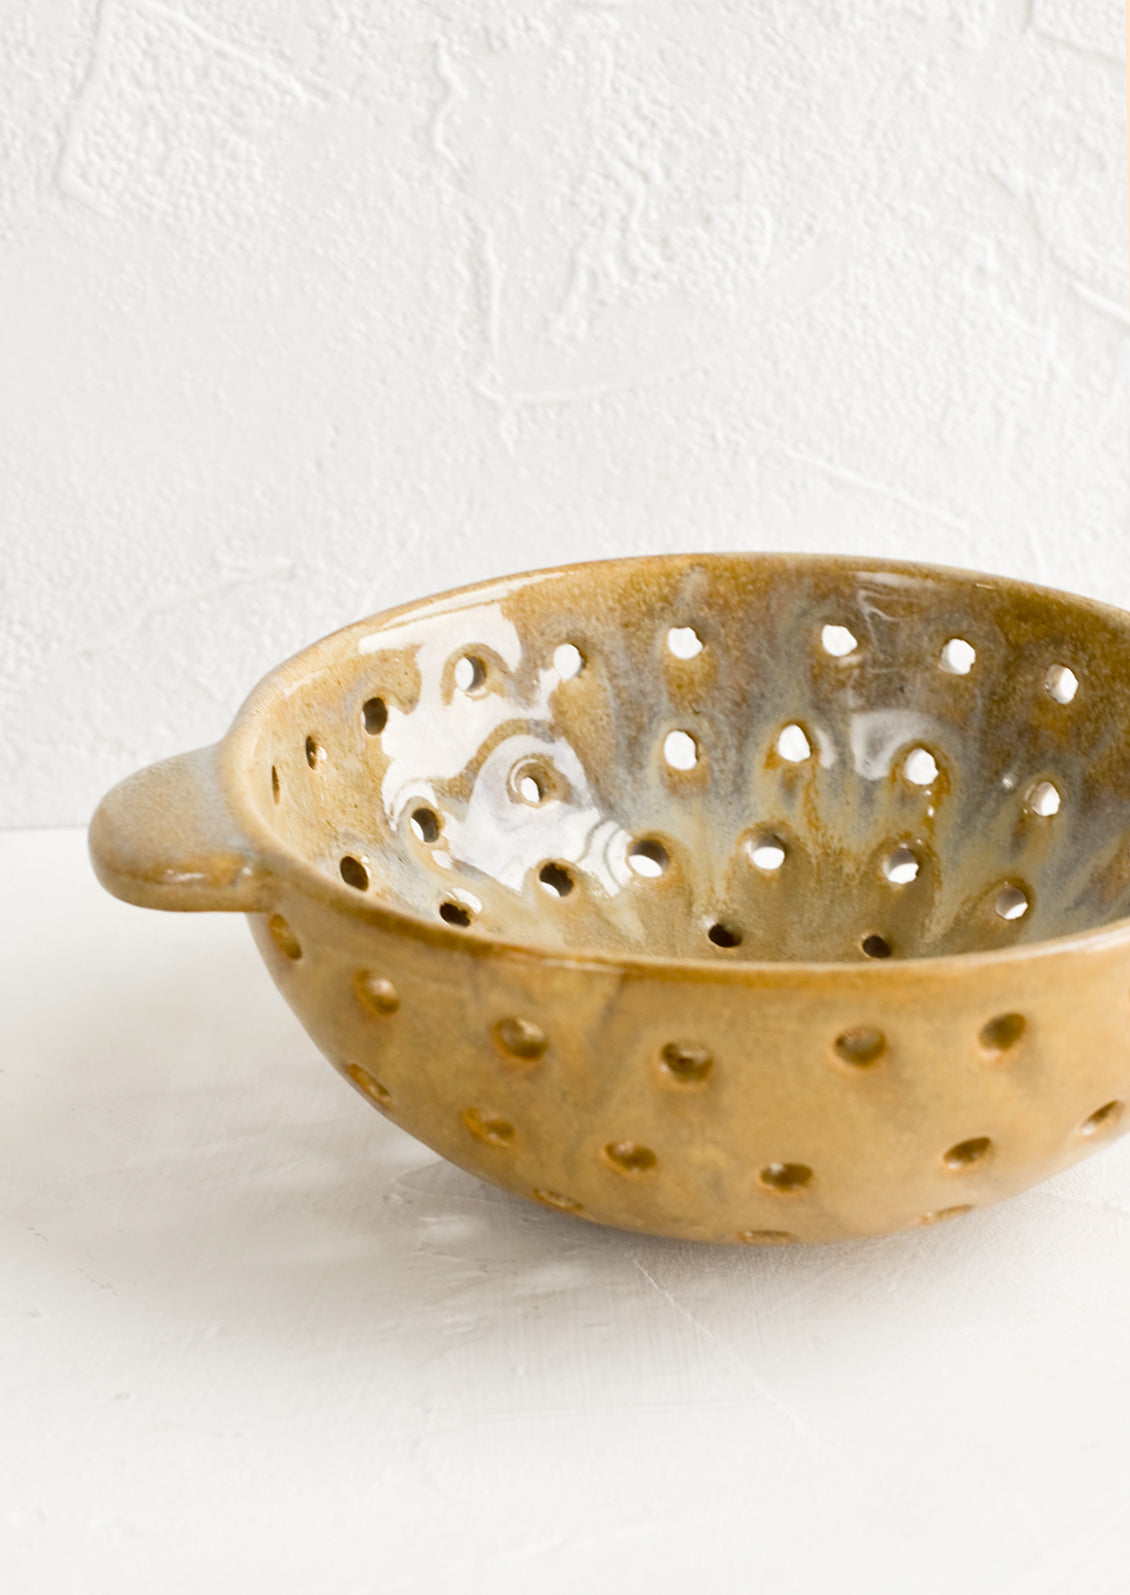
764, 1105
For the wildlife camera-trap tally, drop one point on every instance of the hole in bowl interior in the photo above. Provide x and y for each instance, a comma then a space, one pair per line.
958, 657
535, 781
374, 714
648, 858
793, 744
557, 879
838, 641
470, 674
920, 767
833, 766
1044, 799
1011, 902
1061, 683
901, 865
684, 642
568, 661
425, 823
354, 873
767, 852
680, 750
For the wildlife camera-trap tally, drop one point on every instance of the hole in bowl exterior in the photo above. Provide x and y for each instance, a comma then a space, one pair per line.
861, 1046
786, 1179
284, 938
630, 1157
1102, 1119
370, 1086
1002, 1034
375, 993
964, 1154
686, 1062
521, 1038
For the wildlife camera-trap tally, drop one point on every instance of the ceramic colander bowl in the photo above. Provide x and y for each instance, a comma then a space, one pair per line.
733, 897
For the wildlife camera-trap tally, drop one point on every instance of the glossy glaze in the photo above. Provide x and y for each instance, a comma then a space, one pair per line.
531, 786
734, 897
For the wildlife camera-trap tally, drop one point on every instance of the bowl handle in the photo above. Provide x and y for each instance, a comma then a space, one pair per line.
165, 838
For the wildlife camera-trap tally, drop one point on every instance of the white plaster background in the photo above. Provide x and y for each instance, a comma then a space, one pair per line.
309, 308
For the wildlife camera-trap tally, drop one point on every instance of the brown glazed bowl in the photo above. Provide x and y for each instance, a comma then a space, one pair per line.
735, 897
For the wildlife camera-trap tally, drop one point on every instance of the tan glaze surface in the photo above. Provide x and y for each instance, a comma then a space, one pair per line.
736, 897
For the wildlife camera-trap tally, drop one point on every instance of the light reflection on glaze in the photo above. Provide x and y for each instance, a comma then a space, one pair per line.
880, 736
761, 667
496, 836
439, 736
482, 603
502, 837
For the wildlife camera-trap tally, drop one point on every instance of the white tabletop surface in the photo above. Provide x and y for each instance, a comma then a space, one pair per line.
254, 1338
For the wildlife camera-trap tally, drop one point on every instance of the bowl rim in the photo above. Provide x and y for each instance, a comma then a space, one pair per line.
289, 868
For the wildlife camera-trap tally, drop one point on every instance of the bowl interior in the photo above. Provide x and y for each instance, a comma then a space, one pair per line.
737, 757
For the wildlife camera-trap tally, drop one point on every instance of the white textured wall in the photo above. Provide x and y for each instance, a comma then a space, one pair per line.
310, 307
